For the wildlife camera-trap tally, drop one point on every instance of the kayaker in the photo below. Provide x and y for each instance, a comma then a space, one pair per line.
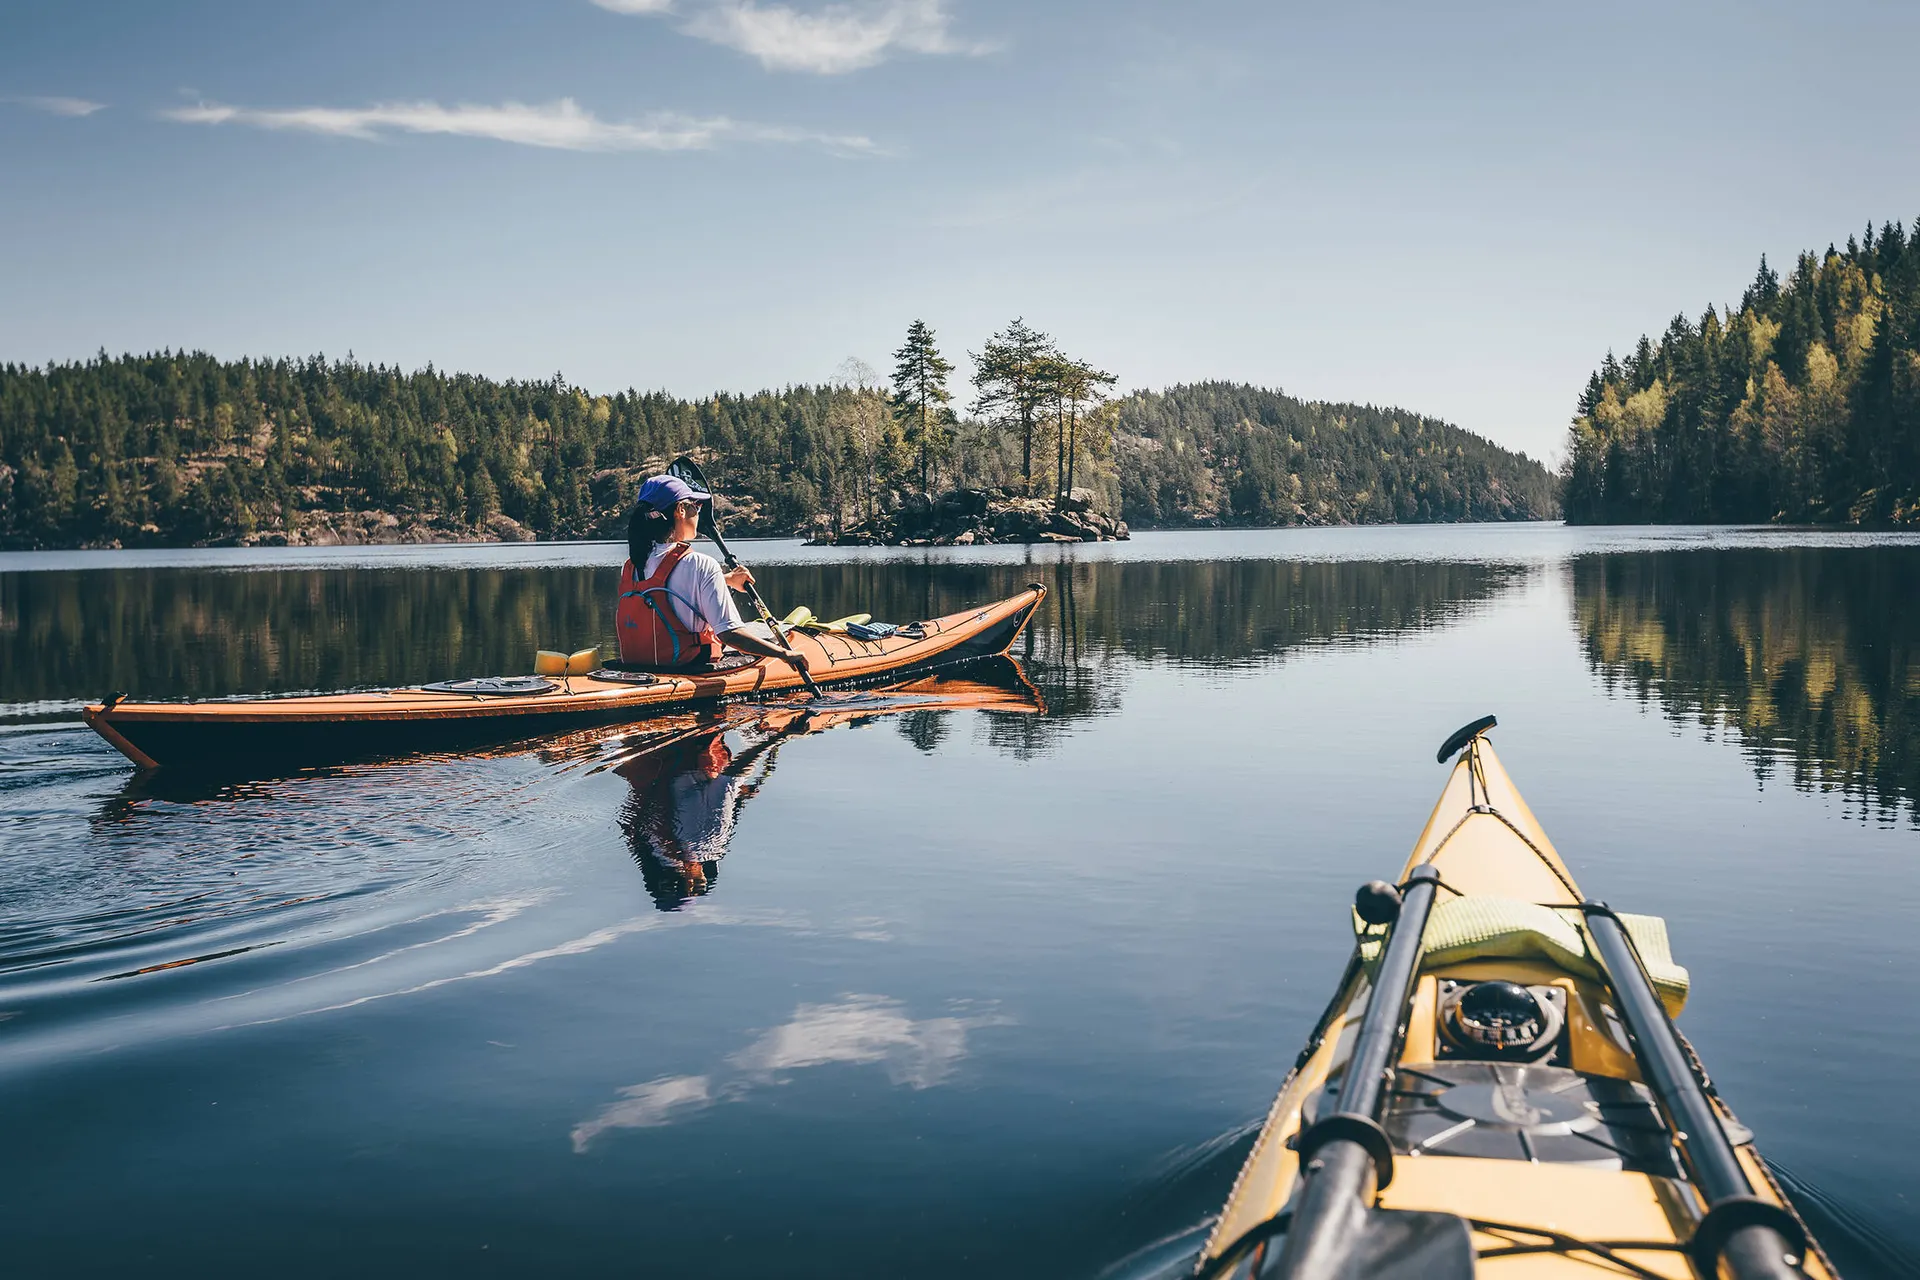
676, 608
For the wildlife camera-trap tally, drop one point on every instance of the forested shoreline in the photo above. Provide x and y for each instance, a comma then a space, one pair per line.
178, 449
1801, 405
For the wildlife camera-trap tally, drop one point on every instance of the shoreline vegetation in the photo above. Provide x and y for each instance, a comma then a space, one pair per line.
185, 449
1799, 406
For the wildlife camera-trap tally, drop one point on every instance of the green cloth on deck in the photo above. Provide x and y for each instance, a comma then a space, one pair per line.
1462, 929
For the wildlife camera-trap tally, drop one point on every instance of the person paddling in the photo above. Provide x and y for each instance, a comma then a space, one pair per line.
675, 610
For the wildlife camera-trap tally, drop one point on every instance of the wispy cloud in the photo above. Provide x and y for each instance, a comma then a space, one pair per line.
56, 106
563, 125
831, 40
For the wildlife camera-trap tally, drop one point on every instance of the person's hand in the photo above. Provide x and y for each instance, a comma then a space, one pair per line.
738, 577
797, 660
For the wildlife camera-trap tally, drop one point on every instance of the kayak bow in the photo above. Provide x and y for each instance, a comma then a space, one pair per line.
1498, 1088
249, 734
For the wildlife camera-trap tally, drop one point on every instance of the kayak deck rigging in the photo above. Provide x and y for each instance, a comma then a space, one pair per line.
1497, 1087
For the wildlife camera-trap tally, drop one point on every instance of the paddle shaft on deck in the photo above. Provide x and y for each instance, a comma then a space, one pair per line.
1757, 1239
1346, 1157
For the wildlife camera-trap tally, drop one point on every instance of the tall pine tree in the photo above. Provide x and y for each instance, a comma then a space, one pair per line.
920, 398
1011, 384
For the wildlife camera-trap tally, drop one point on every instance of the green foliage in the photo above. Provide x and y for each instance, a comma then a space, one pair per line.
1217, 453
1802, 405
920, 399
1012, 386
178, 449
1077, 391
172, 449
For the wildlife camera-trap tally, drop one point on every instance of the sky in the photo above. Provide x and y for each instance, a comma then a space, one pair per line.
1456, 209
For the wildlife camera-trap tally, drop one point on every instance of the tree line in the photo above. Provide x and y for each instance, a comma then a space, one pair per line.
1801, 405
182, 448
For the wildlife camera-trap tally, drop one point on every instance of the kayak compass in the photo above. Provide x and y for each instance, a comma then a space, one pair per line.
1500, 1020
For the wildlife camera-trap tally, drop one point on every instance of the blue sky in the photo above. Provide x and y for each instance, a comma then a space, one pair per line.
1453, 208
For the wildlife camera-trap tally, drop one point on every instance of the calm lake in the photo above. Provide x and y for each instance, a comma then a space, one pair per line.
995, 992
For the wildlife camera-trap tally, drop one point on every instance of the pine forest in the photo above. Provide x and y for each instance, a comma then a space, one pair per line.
177, 449
1801, 405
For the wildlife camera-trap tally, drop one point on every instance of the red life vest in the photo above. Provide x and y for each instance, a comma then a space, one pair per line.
651, 633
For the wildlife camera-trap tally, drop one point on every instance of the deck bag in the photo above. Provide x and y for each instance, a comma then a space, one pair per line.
870, 630
1462, 929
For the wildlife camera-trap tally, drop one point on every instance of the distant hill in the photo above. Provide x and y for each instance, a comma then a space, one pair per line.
179, 449
1219, 453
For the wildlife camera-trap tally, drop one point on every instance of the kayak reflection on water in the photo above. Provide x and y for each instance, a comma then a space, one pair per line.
688, 786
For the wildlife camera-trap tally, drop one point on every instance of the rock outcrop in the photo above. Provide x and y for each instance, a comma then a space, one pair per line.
968, 517
382, 528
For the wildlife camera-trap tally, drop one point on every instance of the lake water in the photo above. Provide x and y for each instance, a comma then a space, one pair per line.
971, 992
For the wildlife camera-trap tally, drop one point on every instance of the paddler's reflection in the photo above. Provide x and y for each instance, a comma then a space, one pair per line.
686, 796
689, 782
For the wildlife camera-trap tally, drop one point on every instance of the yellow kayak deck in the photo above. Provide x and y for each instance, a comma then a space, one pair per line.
1570, 1146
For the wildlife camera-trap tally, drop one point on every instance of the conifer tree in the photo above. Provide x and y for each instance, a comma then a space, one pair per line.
1011, 385
920, 398
1800, 406
1074, 386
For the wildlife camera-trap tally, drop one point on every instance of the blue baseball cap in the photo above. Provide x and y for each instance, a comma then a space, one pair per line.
661, 492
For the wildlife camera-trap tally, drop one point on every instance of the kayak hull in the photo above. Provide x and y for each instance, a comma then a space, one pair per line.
252, 734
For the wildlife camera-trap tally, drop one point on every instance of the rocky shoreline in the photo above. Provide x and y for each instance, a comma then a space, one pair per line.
384, 528
972, 517
958, 517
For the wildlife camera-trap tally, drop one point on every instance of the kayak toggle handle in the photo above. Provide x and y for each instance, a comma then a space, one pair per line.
1377, 902
1757, 1239
1463, 735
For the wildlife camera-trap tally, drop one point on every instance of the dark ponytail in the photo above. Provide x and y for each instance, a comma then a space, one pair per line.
646, 529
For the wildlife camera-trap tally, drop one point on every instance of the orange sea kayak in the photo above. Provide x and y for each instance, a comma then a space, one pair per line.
249, 733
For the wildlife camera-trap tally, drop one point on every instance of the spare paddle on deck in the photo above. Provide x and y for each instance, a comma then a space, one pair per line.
689, 470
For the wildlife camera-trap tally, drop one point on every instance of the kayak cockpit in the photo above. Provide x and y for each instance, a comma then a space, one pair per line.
1498, 1088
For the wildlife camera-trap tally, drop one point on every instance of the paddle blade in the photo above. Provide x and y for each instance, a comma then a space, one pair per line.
687, 469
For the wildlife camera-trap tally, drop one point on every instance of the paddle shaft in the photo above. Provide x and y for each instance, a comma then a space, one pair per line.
1346, 1157
753, 593
1758, 1239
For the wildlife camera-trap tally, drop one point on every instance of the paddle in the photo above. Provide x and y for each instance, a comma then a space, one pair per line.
689, 470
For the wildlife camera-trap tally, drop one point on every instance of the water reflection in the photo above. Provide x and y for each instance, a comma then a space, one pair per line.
856, 1029
201, 633
1810, 655
689, 778
188, 632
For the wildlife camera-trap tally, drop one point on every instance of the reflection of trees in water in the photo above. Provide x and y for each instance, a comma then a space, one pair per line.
201, 632
1809, 654
926, 729
1214, 613
196, 632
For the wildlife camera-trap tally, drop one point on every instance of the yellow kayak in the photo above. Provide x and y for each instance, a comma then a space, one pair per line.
1499, 1089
